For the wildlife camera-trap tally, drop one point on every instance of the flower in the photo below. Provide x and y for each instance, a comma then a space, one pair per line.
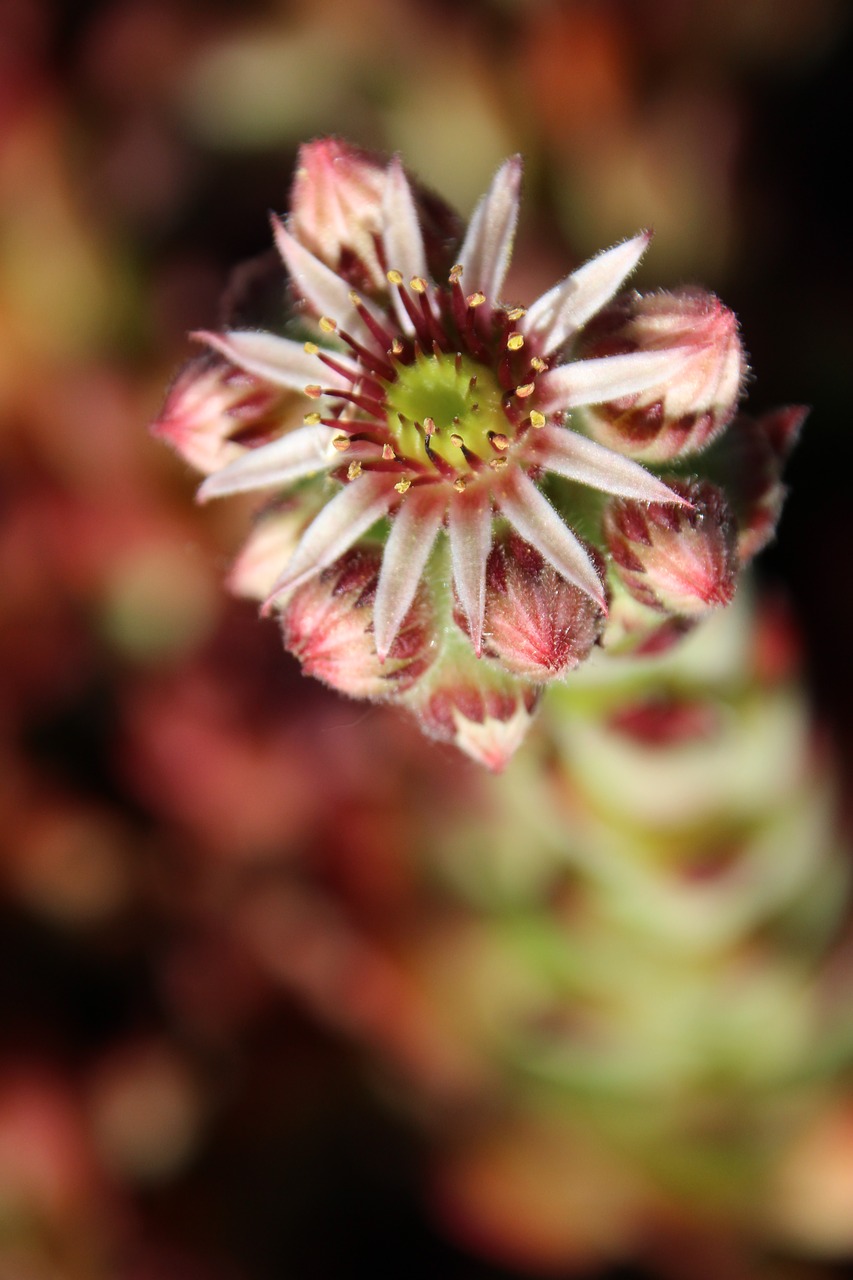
436, 404
479, 456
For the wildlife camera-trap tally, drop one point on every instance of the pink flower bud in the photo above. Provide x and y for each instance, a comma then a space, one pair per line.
678, 560
328, 625
336, 209
537, 624
271, 544
213, 412
481, 710
683, 415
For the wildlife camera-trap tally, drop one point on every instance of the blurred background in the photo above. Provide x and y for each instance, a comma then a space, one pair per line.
223, 1055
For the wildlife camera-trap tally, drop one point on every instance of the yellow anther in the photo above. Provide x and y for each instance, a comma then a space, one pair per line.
537, 419
515, 342
457, 440
429, 426
459, 484
354, 298
313, 391
327, 325
311, 419
403, 486
516, 314
353, 471
341, 443
387, 452
394, 277
525, 390
500, 441
456, 273
539, 364
498, 464
396, 345
312, 349
476, 299
418, 284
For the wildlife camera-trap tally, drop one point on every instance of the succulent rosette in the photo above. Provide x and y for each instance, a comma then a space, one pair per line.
469, 447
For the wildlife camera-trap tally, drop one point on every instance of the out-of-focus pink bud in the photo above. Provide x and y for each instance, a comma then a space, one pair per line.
480, 709
336, 209
328, 625
214, 412
753, 455
679, 560
683, 415
537, 624
271, 543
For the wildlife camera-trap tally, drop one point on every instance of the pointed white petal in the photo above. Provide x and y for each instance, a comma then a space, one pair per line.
401, 235
568, 306
299, 453
341, 523
610, 377
277, 360
406, 552
530, 512
569, 454
327, 292
487, 248
470, 524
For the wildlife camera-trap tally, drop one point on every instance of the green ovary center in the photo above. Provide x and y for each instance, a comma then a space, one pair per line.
459, 396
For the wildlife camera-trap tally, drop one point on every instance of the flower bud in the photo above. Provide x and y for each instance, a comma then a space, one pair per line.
680, 560
328, 625
213, 412
480, 709
537, 624
336, 209
682, 416
270, 545
752, 457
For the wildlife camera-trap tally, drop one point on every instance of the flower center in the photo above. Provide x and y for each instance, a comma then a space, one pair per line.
451, 405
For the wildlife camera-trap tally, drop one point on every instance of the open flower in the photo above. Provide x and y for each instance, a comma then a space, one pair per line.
437, 404
411, 408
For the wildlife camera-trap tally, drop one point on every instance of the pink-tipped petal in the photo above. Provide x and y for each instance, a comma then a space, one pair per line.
299, 453
566, 308
340, 524
406, 552
470, 525
402, 239
609, 377
569, 454
487, 248
532, 515
277, 360
326, 291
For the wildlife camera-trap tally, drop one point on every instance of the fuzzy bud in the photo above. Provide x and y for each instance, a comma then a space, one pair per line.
481, 710
336, 208
328, 625
679, 560
214, 412
537, 624
753, 455
270, 545
684, 415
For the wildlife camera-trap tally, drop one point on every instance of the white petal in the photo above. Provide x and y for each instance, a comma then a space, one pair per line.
401, 235
277, 360
539, 524
406, 552
610, 377
487, 248
341, 523
470, 524
568, 306
325, 290
569, 454
299, 453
